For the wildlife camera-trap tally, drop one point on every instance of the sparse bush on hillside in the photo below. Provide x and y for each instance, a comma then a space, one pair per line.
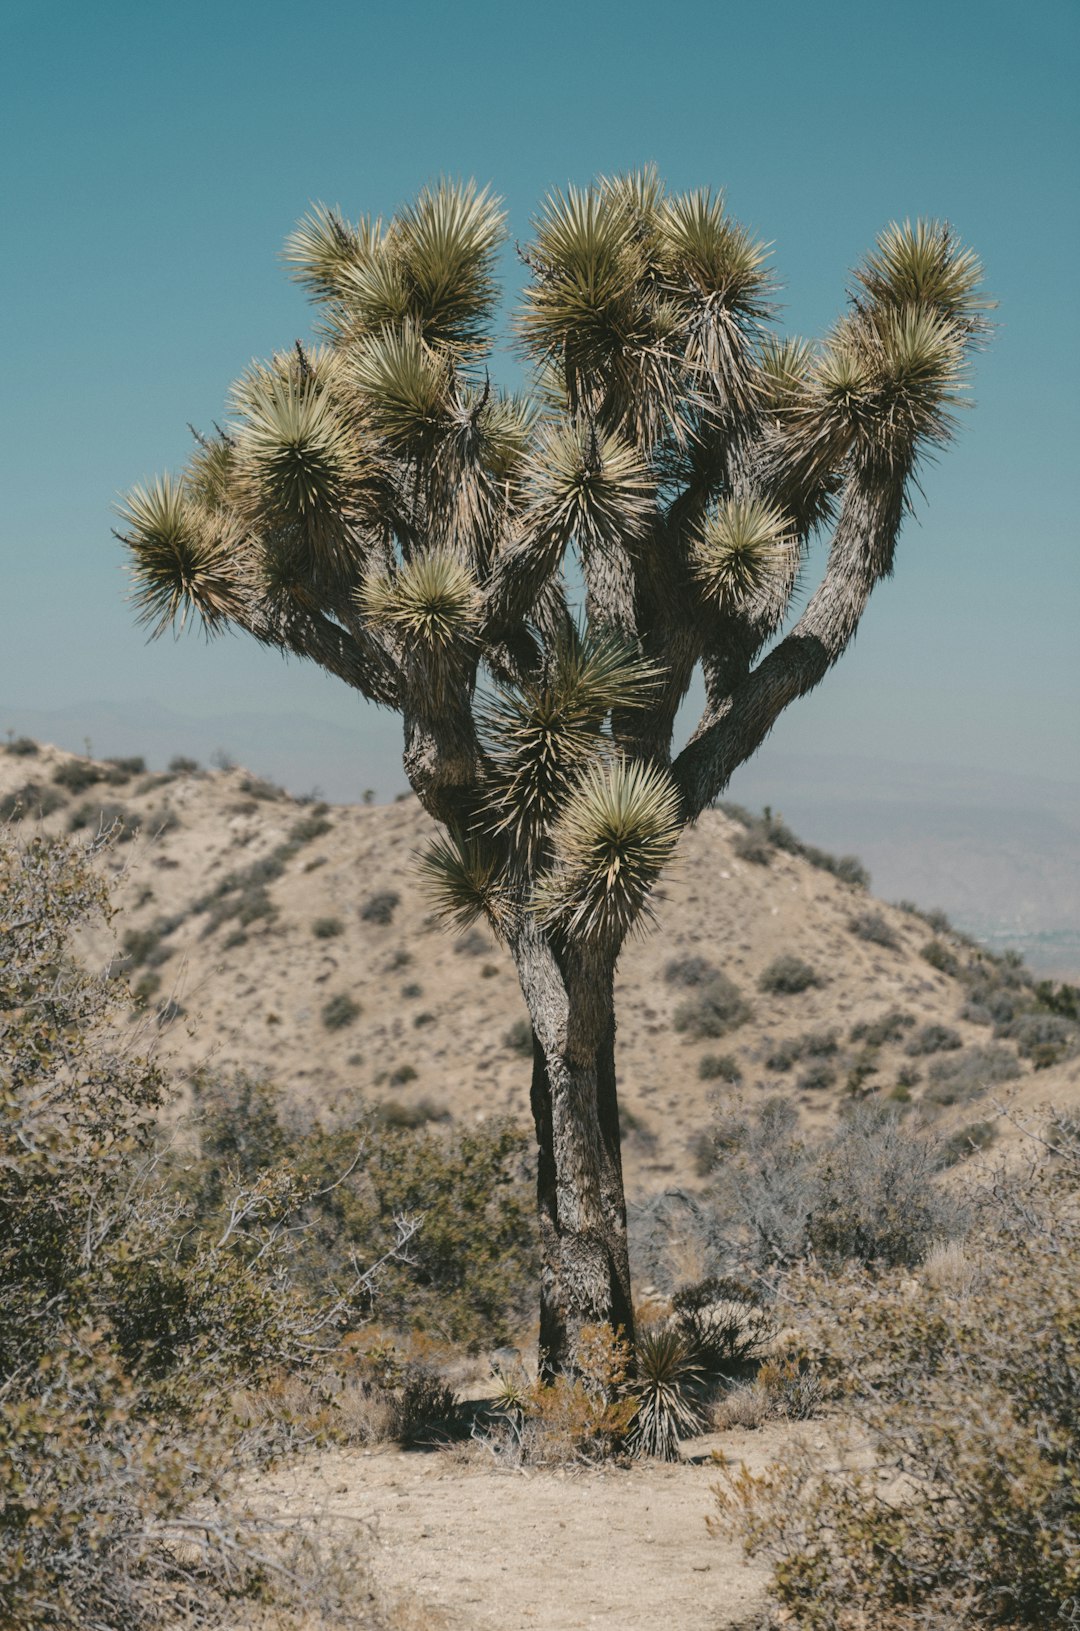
957, 1077
327, 928
181, 765
380, 908
814, 1045
30, 802
767, 833
691, 971
888, 1027
519, 1038
966, 1513
941, 957
875, 928
339, 1011
22, 747
719, 1067
787, 975
122, 1331
717, 1007
934, 1038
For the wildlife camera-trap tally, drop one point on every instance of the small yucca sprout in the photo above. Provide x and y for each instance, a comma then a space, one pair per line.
615, 834
432, 601
180, 565
668, 1375
462, 881
924, 265
745, 555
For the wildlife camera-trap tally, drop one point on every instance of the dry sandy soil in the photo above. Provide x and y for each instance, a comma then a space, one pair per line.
477, 1547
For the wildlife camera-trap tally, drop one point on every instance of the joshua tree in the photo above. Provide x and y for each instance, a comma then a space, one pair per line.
376, 505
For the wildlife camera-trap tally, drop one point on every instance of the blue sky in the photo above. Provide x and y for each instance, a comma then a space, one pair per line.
156, 155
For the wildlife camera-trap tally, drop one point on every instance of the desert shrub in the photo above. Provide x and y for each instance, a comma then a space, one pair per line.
888, 1027
875, 928
327, 928
813, 1044
965, 1141
122, 1329
876, 1196
412, 990
78, 774
402, 1075
716, 1008
181, 765
257, 788
582, 1419
934, 1038
691, 971
965, 1512
633, 1126
379, 908
339, 1011
121, 769
752, 847
22, 747
719, 1067
941, 957
1059, 999
308, 828
867, 1192
519, 1038
723, 1323
105, 817
787, 974
1044, 1038
767, 832
29, 802
961, 1076
472, 944
817, 1077
392, 1113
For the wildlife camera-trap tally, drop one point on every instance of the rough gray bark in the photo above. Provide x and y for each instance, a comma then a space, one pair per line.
585, 1268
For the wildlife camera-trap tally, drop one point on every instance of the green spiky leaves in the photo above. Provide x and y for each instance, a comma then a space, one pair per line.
668, 1383
584, 485
299, 460
462, 881
432, 602
181, 566
922, 265
538, 738
746, 556
431, 268
614, 835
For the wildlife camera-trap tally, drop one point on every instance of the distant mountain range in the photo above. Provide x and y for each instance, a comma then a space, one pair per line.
1000, 853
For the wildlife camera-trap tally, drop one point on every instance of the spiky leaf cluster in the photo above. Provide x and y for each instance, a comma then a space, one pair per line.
614, 835
669, 1375
376, 505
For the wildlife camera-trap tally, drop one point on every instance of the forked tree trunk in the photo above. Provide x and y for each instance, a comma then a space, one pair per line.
585, 1268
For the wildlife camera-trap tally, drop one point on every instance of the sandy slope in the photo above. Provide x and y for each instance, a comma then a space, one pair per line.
436, 1013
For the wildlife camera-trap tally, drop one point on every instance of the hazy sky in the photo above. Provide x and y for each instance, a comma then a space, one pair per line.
156, 155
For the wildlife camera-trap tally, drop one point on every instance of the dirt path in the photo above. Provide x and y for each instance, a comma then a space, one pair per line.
539, 1550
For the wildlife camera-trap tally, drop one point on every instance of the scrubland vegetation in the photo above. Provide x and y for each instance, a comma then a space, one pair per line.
186, 1300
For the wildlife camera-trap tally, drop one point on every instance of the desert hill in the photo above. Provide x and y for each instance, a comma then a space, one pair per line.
293, 938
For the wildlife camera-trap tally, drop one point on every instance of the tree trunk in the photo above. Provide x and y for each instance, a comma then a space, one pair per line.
585, 1269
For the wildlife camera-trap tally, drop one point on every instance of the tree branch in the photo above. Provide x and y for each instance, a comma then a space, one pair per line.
732, 728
